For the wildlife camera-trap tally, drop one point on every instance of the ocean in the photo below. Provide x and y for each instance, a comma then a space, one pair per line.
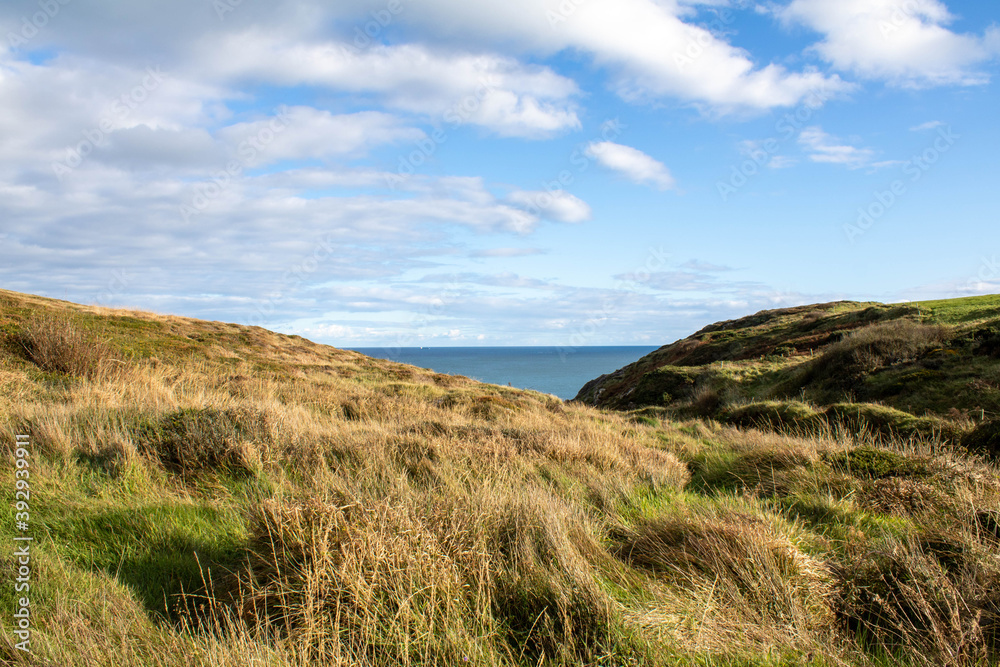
551, 370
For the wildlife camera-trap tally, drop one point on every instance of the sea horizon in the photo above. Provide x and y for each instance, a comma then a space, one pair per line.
559, 370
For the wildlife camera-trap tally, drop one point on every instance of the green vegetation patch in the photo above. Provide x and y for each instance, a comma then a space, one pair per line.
776, 415
878, 463
968, 309
158, 550
889, 422
665, 385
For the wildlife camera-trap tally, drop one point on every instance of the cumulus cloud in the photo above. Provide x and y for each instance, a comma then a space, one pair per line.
648, 48
905, 42
632, 163
314, 232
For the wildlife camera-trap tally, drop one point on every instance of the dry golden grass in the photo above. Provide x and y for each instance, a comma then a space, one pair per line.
337, 510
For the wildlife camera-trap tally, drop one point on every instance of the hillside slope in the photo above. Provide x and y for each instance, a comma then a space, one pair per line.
933, 361
209, 494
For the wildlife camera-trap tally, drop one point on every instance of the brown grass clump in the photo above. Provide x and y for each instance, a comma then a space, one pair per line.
426, 580
57, 345
752, 572
193, 440
362, 583
902, 496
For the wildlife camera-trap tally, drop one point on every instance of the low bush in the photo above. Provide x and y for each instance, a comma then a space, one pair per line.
866, 350
664, 385
194, 440
56, 345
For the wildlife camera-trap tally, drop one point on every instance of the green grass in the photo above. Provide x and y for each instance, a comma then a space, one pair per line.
964, 310
151, 542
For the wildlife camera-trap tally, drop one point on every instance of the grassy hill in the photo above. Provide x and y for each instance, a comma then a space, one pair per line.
927, 368
213, 494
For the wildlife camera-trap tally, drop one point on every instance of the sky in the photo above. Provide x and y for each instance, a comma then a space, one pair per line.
497, 172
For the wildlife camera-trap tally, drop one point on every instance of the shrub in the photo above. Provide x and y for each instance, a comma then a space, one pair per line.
58, 346
987, 341
664, 386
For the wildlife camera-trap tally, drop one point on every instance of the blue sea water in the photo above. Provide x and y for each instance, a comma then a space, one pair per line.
551, 370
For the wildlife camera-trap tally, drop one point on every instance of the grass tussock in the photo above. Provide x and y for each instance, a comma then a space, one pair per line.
750, 567
925, 599
984, 439
193, 440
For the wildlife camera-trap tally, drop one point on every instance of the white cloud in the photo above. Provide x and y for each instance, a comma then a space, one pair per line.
506, 252
51, 109
781, 162
633, 163
505, 279
905, 42
555, 205
703, 266
757, 151
823, 147
654, 52
457, 88
929, 125
647, 46
304, 132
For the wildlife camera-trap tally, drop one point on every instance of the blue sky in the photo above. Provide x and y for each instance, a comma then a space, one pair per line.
525, 172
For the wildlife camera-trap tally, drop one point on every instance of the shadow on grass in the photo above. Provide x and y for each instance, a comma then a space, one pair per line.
157, 551
173, 567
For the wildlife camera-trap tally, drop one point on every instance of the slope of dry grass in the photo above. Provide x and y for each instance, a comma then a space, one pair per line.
230, 496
